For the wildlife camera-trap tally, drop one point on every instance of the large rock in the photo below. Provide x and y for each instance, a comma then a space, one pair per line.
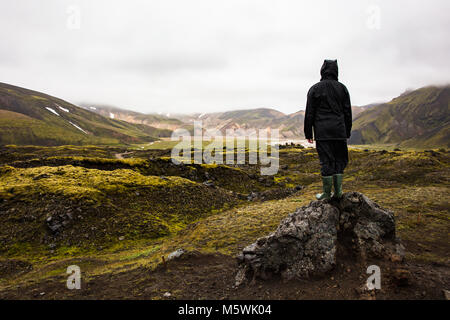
308, 242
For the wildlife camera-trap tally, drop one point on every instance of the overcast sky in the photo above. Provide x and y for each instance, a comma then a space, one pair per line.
203, 56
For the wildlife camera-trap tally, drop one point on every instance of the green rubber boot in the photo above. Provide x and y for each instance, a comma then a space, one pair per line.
337, 181
327, 185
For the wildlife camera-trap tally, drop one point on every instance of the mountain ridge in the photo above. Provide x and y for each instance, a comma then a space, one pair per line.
32, 117
417, 118
150, 119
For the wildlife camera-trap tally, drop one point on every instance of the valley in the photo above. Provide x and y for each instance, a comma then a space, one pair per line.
95, 186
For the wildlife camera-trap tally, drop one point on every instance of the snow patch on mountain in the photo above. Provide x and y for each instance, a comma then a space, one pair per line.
52, 111
63, 109
76, 126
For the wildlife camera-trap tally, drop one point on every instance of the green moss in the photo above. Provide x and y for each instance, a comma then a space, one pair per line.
141, 254
104, 205
157, 215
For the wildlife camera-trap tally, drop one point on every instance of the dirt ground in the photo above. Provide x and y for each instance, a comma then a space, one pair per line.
211, 276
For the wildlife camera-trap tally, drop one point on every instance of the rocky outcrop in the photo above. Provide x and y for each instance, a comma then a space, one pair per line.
309, 241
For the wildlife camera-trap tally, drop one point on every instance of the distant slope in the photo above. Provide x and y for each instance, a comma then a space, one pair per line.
153, 120
290, 125
31, 117
419, 118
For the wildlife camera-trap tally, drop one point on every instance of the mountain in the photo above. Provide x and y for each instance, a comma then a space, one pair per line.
356, 110
289, 126
419, 118
31, 117
154, 120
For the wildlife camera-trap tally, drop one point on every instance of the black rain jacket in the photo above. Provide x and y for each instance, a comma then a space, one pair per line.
328, 108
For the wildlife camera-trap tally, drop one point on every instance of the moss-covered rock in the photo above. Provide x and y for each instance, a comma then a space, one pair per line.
76, 205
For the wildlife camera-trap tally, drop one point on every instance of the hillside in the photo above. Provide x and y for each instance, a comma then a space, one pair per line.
30, 117
154, 120
356, 110
290, 125
419, 118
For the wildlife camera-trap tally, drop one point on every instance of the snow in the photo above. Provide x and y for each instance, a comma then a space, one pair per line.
201, 115
111, 115
63, 109
93, 108
51, 110
77, 127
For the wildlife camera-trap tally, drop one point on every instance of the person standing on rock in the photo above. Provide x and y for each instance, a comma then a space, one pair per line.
329, 115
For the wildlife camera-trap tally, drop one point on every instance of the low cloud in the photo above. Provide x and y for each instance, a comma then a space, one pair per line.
206, 56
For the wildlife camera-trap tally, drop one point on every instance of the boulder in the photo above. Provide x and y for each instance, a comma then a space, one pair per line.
175, 254
309, 241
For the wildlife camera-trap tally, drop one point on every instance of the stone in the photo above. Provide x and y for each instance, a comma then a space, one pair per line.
253, 196
306, 242
57, 222
209, 183
175, 254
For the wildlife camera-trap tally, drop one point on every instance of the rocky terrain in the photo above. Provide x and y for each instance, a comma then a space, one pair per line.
142, 227
311, 241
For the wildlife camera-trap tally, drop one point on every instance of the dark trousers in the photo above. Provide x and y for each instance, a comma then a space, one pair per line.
333, 156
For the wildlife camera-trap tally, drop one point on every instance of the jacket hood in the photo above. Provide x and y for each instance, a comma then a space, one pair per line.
329, 70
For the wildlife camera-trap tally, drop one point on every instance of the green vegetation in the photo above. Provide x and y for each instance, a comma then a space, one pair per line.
11, 153
129, 213
93, 204
416, 119
29, 117
79, 187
